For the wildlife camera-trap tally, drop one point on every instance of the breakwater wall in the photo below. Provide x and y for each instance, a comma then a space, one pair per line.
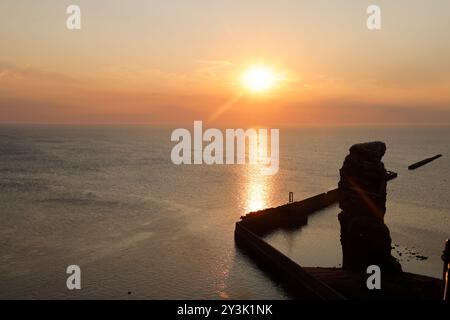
249, 232
288, 216
301, 284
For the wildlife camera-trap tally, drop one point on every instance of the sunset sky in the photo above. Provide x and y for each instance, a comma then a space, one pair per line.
167, 62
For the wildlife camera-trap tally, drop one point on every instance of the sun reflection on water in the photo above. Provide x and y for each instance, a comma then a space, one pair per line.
257, 191
258, 188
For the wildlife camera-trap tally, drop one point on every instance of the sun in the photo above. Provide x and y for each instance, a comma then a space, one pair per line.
259, 78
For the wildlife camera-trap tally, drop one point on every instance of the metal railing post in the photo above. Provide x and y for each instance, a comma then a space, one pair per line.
446, 274
291, 197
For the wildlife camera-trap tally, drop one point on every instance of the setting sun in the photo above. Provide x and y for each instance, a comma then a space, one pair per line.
259, 79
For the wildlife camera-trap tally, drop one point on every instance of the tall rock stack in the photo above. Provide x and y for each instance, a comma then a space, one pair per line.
365, 238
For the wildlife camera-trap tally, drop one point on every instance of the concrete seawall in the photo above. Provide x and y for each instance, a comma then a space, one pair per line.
292, 215
301, 284
319, 283
252, 227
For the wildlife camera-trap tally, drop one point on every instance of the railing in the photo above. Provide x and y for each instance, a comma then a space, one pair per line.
446, 275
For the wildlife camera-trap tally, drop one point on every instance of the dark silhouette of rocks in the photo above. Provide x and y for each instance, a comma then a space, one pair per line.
365, 238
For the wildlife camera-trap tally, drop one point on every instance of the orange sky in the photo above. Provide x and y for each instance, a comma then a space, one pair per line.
174, 62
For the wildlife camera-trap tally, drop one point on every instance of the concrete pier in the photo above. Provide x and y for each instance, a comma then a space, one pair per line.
320, 283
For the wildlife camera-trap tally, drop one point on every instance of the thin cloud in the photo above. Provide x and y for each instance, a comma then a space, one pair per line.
13, 72
223, 63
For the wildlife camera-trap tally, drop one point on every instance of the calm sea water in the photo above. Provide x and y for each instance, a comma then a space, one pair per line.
109, 199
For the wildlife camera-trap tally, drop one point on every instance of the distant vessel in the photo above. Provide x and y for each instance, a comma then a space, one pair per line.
423, 162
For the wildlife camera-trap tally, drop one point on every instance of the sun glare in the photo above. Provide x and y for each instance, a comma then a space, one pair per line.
259, 79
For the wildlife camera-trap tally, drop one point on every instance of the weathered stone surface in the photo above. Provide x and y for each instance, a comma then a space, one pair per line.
365, 238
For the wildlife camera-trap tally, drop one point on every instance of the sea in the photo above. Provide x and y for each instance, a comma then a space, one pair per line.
108, 199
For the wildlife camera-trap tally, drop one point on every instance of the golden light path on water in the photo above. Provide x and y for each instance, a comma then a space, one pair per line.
255, 194
257, 187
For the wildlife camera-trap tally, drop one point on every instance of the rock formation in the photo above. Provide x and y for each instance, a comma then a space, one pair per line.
365, 238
